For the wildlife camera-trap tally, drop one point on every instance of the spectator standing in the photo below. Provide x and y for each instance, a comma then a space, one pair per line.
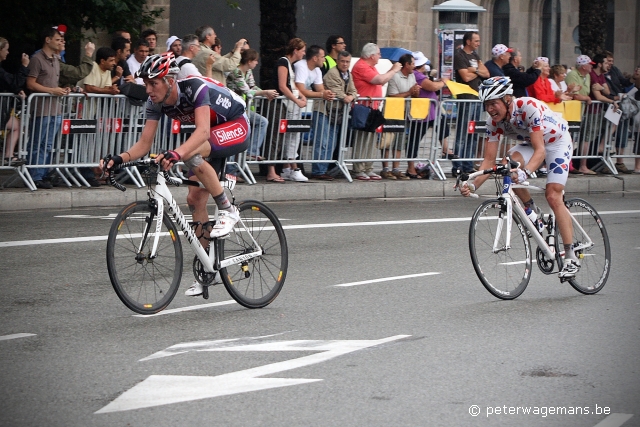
174, 44
557, 75
310, 84
469, 70
338, 80
121, 33
12, 83
190, 48
542, 90
292, 107
44, 70
618, 84
242, 82
500, 58
521, 79
334, 45
580, 76
151, 37
429, 89
221, 64
140, 53
121, 73
402, 85
99, 79
368, 83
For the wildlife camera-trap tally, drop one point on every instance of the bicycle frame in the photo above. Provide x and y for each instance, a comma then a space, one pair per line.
161, 194
514, 204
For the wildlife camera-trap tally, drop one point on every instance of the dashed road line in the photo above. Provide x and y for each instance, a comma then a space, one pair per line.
385, 279
190, 308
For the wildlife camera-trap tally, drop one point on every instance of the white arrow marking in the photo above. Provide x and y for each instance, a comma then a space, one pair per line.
614, 420
14, 336
166, 389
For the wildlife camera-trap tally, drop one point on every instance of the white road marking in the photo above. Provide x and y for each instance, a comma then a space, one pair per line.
286, 227
385, 279
614, 420
14, 336
159, 390
193, 307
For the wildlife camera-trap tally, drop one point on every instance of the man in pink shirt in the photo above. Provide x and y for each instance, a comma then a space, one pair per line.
368, 82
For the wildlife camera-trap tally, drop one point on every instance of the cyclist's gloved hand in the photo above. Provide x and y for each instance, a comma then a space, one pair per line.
521, 177
109, 162
467, 188
170, 157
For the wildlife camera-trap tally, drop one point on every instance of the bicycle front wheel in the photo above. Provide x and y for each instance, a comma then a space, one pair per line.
504, 268
256, 282
144, 283
591, 241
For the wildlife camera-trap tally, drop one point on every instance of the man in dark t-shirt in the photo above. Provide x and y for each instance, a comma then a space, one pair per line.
469, 70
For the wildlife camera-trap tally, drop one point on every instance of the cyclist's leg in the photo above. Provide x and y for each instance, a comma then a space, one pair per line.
522, 154
558, 157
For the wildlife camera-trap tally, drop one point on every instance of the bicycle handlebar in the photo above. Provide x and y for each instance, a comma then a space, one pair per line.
500, 169
111, 179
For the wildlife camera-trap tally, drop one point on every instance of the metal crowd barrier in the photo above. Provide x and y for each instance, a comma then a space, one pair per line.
592, 134
69, 135
12, 123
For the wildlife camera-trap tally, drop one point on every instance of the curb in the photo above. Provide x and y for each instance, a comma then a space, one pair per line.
18, 199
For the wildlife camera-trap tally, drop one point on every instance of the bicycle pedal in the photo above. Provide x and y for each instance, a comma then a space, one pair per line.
205, 292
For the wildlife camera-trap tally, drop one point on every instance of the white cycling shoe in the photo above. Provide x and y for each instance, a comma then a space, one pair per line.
225, 223
195, 290
569, 269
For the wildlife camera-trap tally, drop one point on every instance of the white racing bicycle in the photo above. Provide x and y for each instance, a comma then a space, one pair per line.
144, 250
500, 234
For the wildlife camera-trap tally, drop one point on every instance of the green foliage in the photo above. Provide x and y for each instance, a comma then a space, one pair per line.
24, 21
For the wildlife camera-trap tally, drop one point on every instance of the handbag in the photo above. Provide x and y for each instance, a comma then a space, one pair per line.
366, 118
135, 93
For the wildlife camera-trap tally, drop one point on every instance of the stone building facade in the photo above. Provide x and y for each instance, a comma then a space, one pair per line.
413, 25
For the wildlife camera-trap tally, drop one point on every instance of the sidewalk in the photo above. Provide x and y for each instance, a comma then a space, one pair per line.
17, 199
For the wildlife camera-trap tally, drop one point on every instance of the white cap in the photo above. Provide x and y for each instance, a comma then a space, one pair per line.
499, 49
170, 41
584, 60
542, 59
420, 59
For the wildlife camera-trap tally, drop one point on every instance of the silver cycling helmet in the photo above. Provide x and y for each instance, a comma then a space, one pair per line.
495, 88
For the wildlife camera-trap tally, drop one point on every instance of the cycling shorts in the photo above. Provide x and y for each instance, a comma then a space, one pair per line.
557, 156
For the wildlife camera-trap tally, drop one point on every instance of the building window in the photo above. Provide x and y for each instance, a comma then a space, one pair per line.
551, 30
610, 26
501, 22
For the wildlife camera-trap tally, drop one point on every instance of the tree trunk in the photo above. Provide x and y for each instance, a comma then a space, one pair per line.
593, 19
277, 27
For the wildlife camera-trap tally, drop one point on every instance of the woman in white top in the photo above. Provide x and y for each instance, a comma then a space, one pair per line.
556, 78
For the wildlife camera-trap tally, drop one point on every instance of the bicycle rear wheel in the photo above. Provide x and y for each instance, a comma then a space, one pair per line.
255, 283
595, 261
146, 285
505, 273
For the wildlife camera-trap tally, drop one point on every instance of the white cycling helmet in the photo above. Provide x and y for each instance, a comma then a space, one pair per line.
495, 88
158, 66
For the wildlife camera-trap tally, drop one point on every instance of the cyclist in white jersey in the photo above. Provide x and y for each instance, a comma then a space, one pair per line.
222, 129
545, 137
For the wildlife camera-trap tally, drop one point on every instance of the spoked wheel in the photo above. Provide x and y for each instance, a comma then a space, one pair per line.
256, 282
144, 284
504, 272
592, 247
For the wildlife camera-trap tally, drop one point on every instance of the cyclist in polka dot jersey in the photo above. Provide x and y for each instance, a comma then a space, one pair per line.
545, 137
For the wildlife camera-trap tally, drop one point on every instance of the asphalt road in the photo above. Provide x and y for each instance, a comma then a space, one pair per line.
382, 322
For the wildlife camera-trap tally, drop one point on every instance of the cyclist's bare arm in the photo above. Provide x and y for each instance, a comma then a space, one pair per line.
140, 148
490, 155
197, 143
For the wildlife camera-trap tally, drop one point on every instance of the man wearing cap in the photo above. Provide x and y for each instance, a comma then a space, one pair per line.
174, 44
500, 58
581, 78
